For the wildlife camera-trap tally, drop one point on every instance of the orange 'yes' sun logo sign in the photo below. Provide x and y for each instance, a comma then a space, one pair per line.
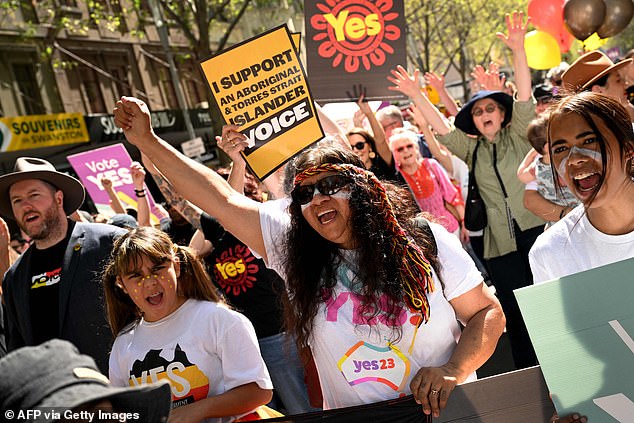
355, 32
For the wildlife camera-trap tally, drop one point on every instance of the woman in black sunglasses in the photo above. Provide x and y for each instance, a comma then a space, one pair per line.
363, 275
373, 151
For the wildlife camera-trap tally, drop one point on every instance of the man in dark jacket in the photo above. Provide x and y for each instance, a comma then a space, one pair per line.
53, 290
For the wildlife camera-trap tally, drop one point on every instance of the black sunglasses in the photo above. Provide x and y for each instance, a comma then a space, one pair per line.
329, 185
358, 146
403, 147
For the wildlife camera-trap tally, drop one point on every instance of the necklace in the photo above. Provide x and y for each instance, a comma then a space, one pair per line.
421, 181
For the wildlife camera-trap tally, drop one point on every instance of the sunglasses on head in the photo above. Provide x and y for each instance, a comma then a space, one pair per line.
329, 185
358, 146
402, 148
489, 108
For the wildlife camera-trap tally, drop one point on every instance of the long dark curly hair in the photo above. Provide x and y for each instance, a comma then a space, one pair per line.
312, 261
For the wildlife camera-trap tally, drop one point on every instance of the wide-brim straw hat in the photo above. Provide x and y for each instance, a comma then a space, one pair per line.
35, 168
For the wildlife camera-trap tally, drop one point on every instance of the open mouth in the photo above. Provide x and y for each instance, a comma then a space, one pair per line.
155, 299
586, 182
326, 216
31, 217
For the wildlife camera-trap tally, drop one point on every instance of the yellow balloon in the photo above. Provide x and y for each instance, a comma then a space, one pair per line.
432, 94
542, 50
593, 42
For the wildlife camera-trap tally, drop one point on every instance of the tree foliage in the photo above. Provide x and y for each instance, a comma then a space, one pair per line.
457, 33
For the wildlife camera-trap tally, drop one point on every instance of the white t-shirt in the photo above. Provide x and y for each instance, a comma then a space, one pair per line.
203, 349
573, 245
355, 362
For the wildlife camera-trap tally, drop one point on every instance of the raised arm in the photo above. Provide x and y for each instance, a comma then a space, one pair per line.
437, 82
233, 149
438, 151
199, 244
331, 128
516, 28
489, 79
526, 169
115, 202
189, 211
377, 131
408, 85
142, 204
194, 181
273, 183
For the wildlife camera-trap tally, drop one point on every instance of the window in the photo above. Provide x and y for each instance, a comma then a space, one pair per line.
28, 11
29, 92
195, 95
167, 88
91, 90
121, 84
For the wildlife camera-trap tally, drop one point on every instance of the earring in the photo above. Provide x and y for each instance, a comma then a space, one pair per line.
372, 154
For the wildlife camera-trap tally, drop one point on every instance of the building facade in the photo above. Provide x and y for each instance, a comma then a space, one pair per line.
67, 56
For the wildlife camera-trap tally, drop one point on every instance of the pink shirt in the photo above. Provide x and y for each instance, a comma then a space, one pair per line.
432, 188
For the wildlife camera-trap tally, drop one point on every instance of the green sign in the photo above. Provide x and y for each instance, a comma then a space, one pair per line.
582, 328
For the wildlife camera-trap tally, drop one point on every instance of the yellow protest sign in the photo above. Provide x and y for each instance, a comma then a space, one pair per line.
297, 41
260, 85
35, 131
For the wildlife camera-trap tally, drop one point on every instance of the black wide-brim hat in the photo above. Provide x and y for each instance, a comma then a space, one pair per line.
55, 376
464, 120
35, 168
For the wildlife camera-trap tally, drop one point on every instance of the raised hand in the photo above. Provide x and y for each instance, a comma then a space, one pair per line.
137, 171
516, 28
133, 116
488, 79
418, 116
106, 183
357, 118
436, 81
364, 106
405, 83
232, 142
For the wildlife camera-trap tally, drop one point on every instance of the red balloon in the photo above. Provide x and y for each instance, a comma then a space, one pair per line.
564, 39
547, 15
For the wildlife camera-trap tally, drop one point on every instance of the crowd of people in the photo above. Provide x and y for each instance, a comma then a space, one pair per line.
350, 280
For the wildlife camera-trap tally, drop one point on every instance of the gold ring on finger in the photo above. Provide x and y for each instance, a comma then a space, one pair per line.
433, 392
